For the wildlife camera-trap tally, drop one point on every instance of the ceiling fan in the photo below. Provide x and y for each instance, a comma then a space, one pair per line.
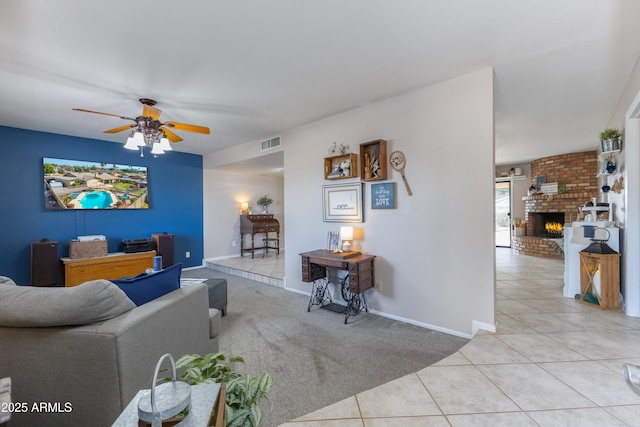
149, 126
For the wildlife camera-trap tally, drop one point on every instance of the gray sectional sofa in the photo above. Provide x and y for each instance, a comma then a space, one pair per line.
88, 373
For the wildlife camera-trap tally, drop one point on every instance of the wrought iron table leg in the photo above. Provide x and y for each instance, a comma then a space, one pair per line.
355, 302
319, 293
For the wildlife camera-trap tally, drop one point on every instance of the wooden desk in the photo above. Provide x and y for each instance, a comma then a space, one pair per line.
316, 268
256, 224
112, 266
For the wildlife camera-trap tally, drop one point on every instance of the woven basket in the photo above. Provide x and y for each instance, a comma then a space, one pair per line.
91, 249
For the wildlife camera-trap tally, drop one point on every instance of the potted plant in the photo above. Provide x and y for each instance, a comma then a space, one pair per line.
265, 201
610, 139
244, 392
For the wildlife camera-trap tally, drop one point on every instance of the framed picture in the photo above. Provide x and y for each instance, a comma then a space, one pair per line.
342, 203
333, 241
383, 196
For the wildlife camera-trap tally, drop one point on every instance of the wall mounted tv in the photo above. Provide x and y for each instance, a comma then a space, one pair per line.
76, 184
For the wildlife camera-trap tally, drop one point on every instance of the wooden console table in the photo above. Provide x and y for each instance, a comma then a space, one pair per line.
316, 268
111, 266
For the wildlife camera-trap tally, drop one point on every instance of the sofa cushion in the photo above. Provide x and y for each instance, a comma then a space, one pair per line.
146, 287
90, 302
4, 280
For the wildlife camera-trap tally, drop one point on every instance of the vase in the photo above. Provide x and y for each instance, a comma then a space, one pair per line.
265, 209
612, 144
519, 231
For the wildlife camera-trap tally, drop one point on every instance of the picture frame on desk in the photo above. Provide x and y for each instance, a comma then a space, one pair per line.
342, 203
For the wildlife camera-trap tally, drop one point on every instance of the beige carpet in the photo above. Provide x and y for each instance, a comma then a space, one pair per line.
314, 358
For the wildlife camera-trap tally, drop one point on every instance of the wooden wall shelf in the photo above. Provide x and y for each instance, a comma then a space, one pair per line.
332, 169
373, 160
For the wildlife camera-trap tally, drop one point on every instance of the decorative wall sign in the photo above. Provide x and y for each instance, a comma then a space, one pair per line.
342, 203
383, 196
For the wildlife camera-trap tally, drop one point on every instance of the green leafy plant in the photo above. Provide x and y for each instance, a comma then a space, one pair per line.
265, 200
243, 396
610, 133
211, 368
244, 392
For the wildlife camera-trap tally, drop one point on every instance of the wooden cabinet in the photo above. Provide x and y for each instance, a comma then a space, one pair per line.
373, 160
334, 167
360, 267
113, 266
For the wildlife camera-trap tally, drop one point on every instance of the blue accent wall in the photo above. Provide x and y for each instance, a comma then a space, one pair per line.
175, 199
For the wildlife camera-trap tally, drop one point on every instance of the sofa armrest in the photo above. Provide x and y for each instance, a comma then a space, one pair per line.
215, 322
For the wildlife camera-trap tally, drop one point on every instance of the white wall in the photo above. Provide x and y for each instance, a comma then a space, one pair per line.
627, 203
223, 194
435, 252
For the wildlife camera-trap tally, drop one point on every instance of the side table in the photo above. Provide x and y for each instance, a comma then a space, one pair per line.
207, 408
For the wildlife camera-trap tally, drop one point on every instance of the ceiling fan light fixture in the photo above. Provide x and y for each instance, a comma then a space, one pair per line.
164, 143
148, 130
157, 149
138, 138
131, 143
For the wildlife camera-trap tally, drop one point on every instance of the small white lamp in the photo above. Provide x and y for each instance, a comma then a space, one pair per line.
346, 235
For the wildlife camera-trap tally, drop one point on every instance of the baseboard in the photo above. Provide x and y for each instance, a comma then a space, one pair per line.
402, 319
422, 324
477, 326
220, 257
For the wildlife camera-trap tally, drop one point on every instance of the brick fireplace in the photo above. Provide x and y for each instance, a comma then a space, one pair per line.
575, 174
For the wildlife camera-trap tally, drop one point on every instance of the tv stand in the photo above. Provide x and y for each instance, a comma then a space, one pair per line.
112, 266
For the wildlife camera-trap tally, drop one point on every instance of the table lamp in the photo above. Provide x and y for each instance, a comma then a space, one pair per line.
346, 235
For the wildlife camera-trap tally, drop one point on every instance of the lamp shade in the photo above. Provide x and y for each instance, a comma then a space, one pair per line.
164, 144
157, 149
346, 233
131, 144
138, 138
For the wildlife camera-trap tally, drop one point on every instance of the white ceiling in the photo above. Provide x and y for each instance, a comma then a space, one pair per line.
251, 69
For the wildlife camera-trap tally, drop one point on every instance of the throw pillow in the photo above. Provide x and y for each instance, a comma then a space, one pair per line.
147, 287
90, 302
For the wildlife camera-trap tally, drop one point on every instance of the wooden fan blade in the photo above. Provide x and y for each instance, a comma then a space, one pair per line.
104, 114
149, 111
171, 136
188, 128
120, 129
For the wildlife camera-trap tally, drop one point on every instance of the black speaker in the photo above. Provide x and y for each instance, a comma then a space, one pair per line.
45, 264
163, 245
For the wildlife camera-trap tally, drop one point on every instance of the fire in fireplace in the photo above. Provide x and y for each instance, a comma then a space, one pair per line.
553, 229
547, 224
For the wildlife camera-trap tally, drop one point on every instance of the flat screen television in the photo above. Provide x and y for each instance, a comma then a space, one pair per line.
78, 184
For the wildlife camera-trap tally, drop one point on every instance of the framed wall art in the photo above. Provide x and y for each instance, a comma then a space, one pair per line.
342, 203
383, 196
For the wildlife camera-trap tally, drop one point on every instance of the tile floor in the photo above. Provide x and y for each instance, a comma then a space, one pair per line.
552, 362
268, 269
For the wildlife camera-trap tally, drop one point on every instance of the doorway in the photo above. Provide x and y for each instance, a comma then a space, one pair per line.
503, 214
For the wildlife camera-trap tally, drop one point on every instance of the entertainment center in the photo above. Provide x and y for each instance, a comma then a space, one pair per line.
112, 266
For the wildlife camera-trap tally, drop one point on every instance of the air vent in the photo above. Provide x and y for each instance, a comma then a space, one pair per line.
270, 144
